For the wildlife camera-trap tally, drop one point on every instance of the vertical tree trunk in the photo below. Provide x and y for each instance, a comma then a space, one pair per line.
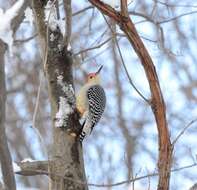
67, 151
67, 170
5, 157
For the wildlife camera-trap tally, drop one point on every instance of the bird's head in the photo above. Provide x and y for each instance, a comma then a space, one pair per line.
94, 77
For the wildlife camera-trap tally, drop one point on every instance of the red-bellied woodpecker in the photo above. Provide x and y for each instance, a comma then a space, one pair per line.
90, 103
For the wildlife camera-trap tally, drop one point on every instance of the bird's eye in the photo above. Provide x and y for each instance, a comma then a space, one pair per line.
91, 77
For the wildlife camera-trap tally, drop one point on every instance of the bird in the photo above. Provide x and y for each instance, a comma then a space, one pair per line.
90, 103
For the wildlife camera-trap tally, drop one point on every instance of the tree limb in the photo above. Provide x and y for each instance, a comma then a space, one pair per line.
66, 151
157, 101
33, 168
40, 168
68, 19
5, 156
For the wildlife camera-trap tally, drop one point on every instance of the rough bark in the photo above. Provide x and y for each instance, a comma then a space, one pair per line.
67, 154
67, 151
157, 102
5, 157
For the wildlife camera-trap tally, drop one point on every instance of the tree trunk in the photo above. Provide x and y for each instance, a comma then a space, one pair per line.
5, 157
67, 170
67, 151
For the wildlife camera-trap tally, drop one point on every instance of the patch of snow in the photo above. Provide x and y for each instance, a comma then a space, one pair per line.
29, 15
59, 47
64, 110
27, 188
28, 160
52, 37
71, 88
60, 82
51, 18
59, 79
51, 15
6, 33
65, 88
66, 104
61, 25
69, 47
16, 167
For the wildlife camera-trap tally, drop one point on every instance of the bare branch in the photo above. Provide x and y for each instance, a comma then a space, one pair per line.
38, 9
5, 157
124, 65
92, 48
157, 102
25, 40
68, 13
82, 10
40, 168
175, 5
177, 17
33, 168
183, 131
19, 18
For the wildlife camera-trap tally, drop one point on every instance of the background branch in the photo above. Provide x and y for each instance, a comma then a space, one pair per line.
68, 13
5, 156
41, 168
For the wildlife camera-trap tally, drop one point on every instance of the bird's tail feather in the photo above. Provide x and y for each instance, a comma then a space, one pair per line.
86, 130
82, 136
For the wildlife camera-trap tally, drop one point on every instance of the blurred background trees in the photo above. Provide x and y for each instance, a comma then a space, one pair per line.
124, 144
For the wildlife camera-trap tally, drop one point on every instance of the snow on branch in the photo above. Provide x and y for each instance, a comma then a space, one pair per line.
29, 15
63, 112
66, 103
28, 160
6, 32
31, 168
16, 167
51, 18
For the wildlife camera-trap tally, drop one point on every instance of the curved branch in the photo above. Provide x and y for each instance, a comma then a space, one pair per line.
157, 101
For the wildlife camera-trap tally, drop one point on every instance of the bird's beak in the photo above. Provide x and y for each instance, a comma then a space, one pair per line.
99, 69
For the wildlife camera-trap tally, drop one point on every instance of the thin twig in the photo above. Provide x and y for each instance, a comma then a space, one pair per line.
183, 131
45, 58
82, 10
177, 17
124, 65
92, 48
176, 5
68, 13
35, 114
44, 172
25, 40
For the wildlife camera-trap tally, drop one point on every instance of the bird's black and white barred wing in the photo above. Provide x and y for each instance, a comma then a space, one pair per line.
97, 100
